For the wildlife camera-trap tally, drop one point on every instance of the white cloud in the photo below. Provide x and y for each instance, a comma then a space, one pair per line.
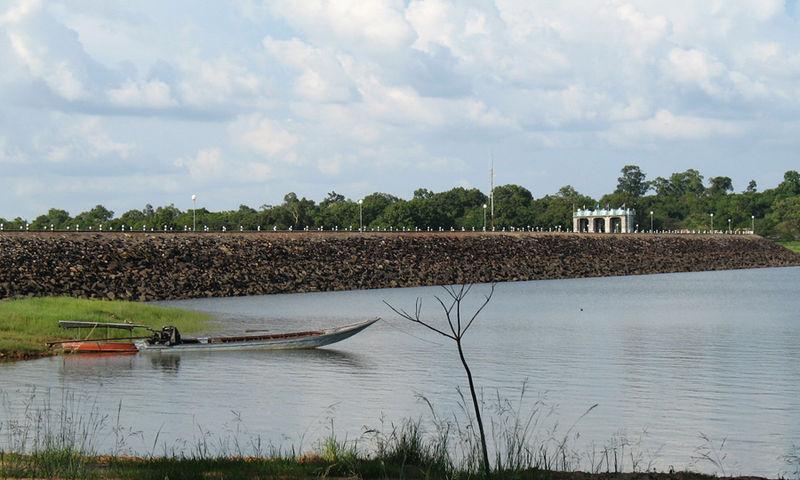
665, 125
9, 154
85, 141
152, 94
265, 136
371, 25
322, 77
217, 81
19, 11
209, 166
696, 68
59, 75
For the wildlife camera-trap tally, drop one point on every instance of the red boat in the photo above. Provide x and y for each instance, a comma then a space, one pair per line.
99, 345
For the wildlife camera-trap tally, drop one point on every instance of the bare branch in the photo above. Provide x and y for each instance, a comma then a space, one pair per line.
486, 301
447, 314
416, 318
458, 311
450, 291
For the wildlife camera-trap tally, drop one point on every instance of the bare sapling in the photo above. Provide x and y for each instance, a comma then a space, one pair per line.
459, 324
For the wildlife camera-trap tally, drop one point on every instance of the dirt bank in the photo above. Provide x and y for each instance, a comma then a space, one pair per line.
144, 266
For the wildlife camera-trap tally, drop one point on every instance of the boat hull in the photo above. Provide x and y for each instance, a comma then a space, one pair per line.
88, 346
288, 342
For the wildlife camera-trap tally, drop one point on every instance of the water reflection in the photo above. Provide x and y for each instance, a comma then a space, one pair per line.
104, 365
95, 365
715, 352
165, 363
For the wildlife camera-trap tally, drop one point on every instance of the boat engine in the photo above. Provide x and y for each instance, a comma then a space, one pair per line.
168, 335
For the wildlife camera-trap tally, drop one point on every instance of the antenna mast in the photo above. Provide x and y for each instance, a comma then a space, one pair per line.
491, 187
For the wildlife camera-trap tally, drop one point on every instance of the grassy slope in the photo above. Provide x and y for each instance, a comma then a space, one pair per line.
27, 324
793, 245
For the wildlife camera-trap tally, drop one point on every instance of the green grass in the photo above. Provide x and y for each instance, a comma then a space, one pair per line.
26, 325
793, 245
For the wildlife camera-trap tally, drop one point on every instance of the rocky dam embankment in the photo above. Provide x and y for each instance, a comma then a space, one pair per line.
143, 266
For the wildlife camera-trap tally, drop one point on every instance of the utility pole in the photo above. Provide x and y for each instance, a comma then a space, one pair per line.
491, 188
361, 215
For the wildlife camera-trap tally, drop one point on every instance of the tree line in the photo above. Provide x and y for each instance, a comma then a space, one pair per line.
684, 200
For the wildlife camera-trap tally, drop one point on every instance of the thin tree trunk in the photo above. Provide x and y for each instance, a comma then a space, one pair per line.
486, 468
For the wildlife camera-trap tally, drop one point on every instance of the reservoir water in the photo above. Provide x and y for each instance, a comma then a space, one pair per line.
666, 358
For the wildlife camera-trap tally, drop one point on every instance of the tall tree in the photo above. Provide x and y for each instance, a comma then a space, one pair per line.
791, 183
513, 206
59, 219
719, 185
633, 181
332, 197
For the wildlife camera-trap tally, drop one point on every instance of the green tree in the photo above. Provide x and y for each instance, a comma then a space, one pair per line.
166, 217
719, 185
632, 182
133, 219
552, 211
680, 183
300, 209
94, 218
332, 198
422, 194
513, 206
786, 218
374, 205
791, 183
59, 219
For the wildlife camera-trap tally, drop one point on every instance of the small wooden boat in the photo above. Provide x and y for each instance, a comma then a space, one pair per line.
95, 345
98, 346
170, 340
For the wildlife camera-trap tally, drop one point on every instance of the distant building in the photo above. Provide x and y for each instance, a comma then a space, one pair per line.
604, 220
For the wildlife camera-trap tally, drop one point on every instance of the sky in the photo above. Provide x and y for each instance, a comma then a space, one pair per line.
239, 102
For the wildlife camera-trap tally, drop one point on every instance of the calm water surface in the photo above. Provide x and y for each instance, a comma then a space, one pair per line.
665, 357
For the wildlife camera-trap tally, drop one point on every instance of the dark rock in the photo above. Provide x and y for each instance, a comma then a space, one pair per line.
167, 266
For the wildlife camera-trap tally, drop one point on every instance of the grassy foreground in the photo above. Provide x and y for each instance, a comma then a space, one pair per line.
27, 324
310, 466
792, 245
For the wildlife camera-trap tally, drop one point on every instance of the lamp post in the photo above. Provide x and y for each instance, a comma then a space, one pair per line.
752, 224
361, 215
729, 225
194, 212
712, 223
651, 221
484, 217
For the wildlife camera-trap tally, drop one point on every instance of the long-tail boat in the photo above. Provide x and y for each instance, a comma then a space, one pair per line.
169, 339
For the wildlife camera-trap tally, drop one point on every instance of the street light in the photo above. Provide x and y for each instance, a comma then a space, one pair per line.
729, 226
484, 217
194, 213
361, 215
712, 223
651, 221
752, 224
